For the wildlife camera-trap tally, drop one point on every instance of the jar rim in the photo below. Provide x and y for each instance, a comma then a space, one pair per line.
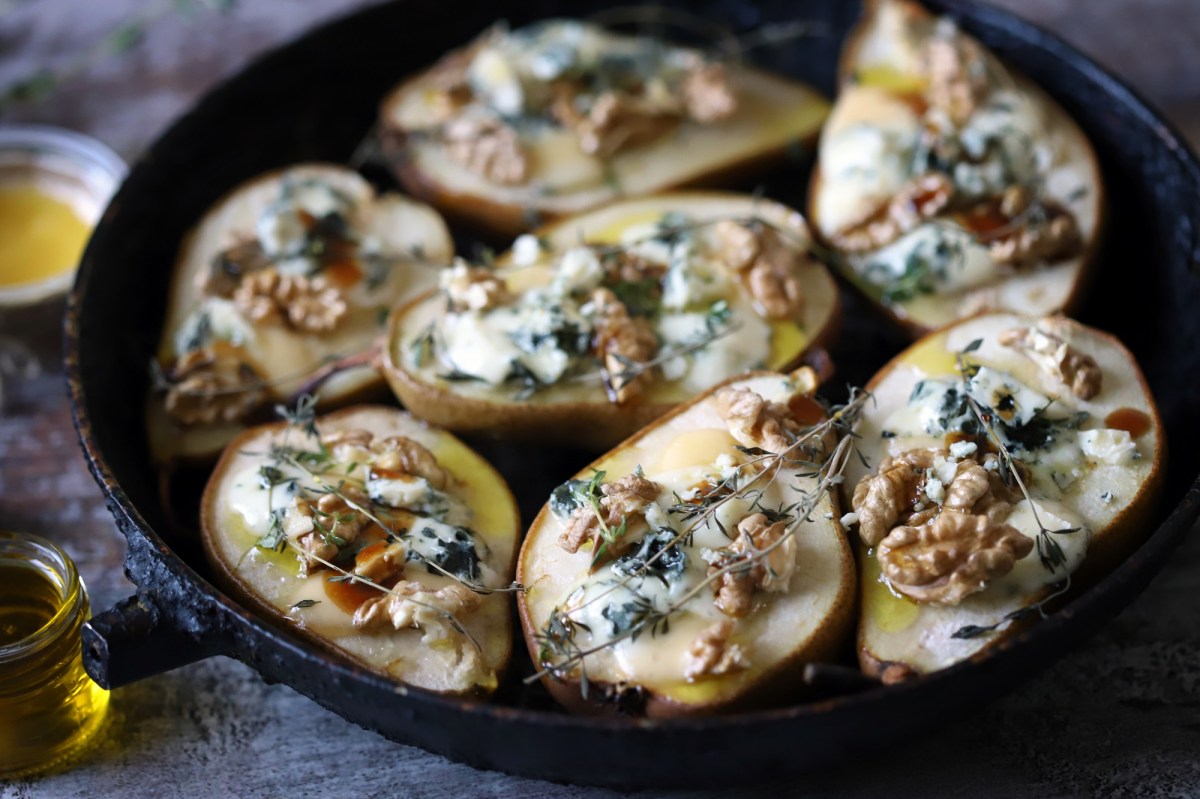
49, 558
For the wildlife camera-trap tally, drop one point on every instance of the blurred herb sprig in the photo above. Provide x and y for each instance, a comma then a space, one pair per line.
42, 82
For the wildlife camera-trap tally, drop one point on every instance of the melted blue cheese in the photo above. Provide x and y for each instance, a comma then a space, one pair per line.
491, 345
935, 257
546, 332
216, 319
263, 492
612, 599
282, 231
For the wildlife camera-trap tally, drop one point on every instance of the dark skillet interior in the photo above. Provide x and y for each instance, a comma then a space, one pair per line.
316, 99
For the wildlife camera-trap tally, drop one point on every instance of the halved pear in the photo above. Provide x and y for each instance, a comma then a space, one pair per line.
1091, 465
773, 113
871, 147
392, 247
652, 577
576, 408
453, 537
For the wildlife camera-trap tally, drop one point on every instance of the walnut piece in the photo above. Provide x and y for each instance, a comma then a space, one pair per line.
767, 265
625, 499
881, 499
707, 95
1078, 370
488, 147
401, 455
951, 558
213, 384
956, 69
617, 120
757, 422
307, 304
1051, 237
627, 266
473, 288
752, 570
346, 445
381, 562
921, 199
624, 344
711, 653
409, 604
890, 497
317, 527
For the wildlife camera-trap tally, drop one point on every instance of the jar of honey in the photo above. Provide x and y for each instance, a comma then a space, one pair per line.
54, 184
49, 706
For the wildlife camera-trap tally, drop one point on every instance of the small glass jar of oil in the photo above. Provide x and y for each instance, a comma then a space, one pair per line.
49, 707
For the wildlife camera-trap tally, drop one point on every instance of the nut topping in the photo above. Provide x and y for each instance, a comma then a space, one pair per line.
1053, 238
621, 341
213, 384
707, 95
1056, 357
770, 572
917, 201
319, 528
402, 455
952, 558
767, 266
473, 288
381, 562
409, 604
881, 499
487, 147
712, 653
624, 499
956, 68
617, 121
307, 304
757, 422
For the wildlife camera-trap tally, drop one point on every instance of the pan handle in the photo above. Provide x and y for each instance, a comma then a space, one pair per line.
134, 639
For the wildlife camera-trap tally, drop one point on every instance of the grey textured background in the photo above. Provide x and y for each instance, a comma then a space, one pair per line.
1119, 718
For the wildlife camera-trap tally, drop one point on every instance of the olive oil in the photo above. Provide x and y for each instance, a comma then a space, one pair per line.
41, 235
49, 706
28, 601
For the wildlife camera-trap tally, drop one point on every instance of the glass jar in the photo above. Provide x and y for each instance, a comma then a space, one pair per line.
49, 706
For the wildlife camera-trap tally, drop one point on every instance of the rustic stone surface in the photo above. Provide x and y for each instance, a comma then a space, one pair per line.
1119, 718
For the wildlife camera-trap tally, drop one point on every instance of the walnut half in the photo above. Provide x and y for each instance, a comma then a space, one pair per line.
1078, 370
473, 288
767, 265
487, 147
625, 344
951, 558
623, 499
754, 567
757, 422
213, 384
711, 653
307, 304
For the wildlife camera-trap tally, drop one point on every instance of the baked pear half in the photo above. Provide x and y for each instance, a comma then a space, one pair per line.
596, 325
563, 116
374, 535
699, 566
948, 184
1011, 459
283, 288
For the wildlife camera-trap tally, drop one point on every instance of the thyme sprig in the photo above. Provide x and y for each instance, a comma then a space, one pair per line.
560, 654
1050, 552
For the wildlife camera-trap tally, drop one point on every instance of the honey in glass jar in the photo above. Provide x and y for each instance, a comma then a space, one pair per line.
49, 706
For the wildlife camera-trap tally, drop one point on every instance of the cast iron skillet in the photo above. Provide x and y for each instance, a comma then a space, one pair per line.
315, 99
